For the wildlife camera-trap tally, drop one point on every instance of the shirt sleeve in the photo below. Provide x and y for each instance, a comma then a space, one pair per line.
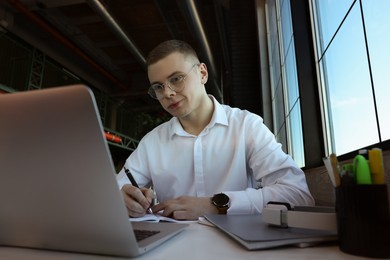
281, 179
137, 166
288, 185
122, 179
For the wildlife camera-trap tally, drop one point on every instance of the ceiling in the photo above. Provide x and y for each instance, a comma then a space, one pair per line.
106, 42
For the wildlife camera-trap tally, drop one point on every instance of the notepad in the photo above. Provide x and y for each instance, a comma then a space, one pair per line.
156, 218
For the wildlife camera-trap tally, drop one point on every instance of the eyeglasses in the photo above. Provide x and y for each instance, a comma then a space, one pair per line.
175, 83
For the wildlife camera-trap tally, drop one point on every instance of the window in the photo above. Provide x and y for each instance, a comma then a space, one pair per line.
284, 81
352, 57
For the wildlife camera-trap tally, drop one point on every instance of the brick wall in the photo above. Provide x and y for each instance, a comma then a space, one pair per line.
321, 187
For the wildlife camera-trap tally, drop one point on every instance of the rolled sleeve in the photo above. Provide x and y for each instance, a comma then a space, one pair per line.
285, 186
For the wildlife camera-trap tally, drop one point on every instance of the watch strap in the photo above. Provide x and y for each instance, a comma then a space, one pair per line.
222, 210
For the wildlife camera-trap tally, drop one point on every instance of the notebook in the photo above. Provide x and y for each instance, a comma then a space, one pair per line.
157, 218
254, 234
58, 189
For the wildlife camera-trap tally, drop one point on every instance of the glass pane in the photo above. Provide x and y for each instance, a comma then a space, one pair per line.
281, 138
297, 152
291, 78
278, 105
330, 15
377, 21
349, 88
272, 24
287, 32
273, 45
275, 69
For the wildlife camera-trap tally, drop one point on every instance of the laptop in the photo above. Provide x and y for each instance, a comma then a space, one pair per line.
254, 234
58, 189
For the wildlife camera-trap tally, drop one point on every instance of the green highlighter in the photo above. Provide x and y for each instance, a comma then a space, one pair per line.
362, 170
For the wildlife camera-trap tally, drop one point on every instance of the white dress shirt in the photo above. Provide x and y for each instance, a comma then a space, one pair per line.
235, 154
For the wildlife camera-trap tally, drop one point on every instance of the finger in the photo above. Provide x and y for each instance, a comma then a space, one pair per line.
158, 207
165, 205
183, 215
149, 195
137, 194
168, 208
128, 189
134, 208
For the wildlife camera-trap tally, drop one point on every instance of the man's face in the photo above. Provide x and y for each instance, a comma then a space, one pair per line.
178, 103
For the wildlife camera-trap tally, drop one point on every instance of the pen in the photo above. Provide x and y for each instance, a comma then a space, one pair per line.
135, 184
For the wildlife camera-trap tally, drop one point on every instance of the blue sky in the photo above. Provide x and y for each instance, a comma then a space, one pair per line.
351, 99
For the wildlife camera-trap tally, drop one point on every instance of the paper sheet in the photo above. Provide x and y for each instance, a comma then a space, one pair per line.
156, 218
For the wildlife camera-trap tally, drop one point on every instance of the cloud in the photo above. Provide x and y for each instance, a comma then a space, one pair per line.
345, 102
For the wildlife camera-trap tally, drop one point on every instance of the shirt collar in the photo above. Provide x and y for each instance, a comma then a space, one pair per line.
219, 117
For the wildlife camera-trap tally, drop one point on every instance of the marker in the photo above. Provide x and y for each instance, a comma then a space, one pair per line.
361, 169
375, 158
135, 184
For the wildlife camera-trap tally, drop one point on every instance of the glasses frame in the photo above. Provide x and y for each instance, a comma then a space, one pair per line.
152, 91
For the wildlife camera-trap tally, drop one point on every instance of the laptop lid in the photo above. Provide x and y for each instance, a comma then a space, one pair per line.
57, 180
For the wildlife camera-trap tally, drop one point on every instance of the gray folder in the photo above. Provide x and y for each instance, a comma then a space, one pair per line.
254, 234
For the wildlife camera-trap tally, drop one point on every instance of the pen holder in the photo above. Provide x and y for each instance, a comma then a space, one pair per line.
363, 220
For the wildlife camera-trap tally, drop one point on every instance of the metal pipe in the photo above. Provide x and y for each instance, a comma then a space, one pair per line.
116, 28
202, 38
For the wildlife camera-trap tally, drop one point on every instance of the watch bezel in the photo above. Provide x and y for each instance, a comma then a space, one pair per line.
220, 200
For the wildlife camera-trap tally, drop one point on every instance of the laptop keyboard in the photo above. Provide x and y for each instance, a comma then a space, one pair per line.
142, 234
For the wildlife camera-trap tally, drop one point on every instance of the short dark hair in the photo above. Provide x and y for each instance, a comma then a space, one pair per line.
168, 47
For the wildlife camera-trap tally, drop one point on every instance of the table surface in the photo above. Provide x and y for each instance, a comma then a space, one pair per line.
196, 242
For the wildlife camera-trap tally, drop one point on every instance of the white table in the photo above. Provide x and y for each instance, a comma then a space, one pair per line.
195, 242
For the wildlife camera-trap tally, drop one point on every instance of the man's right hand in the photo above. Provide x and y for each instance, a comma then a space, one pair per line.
137, 200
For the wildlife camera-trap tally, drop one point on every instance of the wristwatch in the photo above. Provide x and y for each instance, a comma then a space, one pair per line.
222, 202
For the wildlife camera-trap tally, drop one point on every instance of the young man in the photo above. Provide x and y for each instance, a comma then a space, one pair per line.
209, 158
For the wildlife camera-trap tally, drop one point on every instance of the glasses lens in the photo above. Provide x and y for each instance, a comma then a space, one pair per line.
176, 83
152, 92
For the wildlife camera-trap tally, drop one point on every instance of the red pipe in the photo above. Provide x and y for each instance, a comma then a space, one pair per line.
47, 27
113, 138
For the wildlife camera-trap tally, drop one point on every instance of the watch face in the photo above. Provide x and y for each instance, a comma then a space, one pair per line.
220, 199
